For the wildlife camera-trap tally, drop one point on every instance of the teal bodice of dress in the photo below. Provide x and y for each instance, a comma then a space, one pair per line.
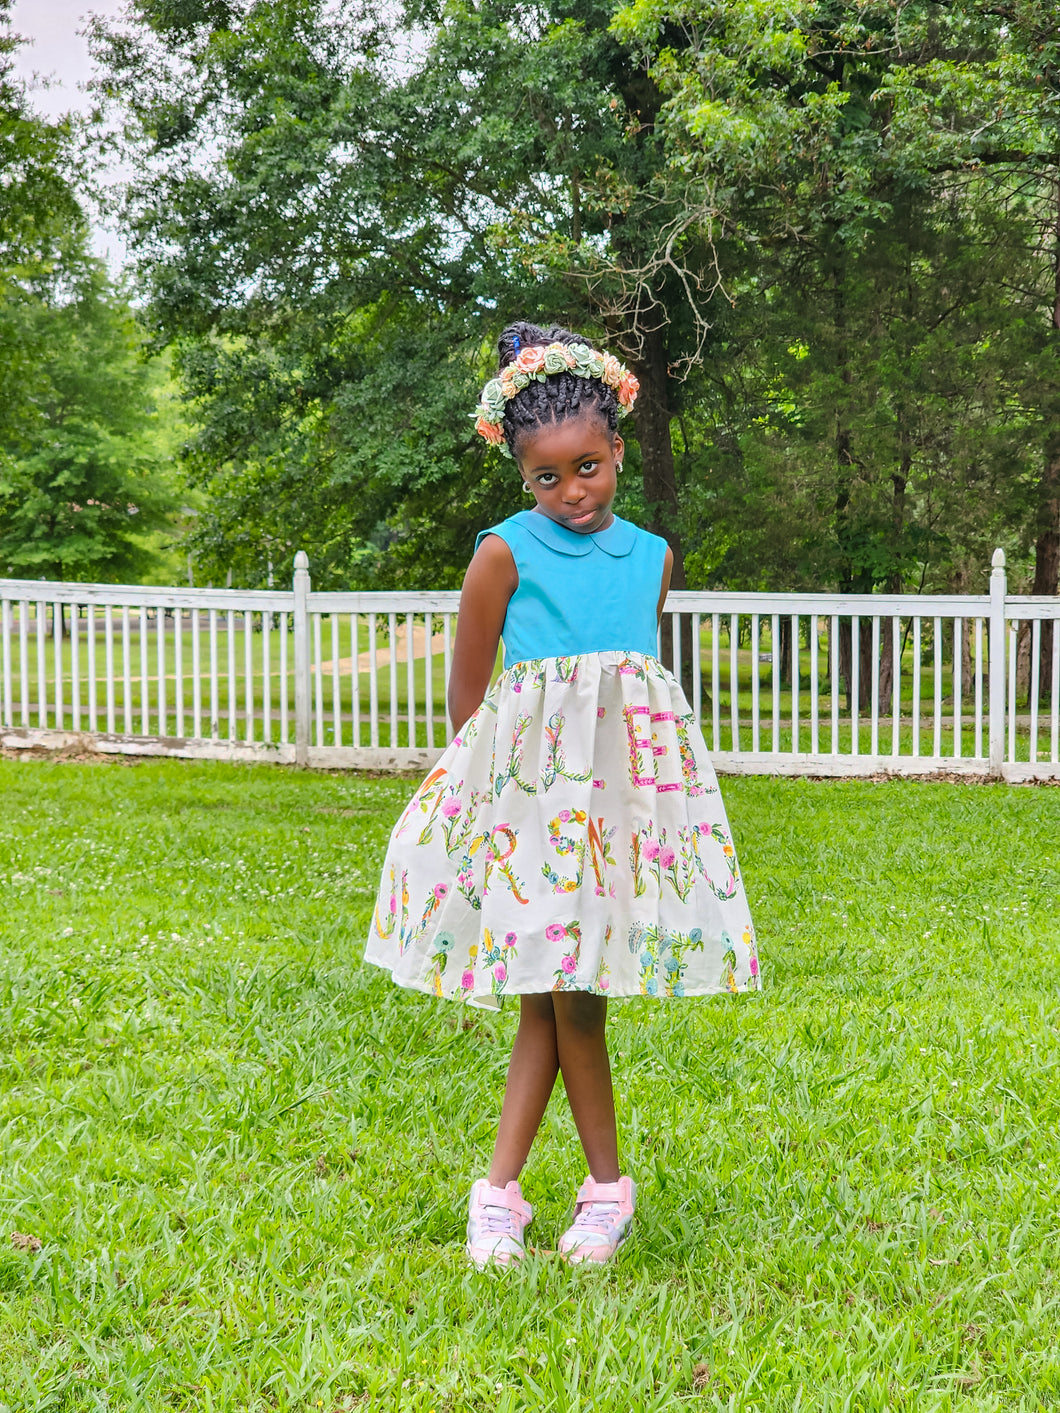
580, 593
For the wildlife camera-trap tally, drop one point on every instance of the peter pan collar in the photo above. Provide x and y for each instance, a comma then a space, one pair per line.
617, 540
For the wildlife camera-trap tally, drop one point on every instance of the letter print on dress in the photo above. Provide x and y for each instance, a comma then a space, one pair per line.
645, 751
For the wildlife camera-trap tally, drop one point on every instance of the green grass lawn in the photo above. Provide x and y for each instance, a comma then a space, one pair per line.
247, 1157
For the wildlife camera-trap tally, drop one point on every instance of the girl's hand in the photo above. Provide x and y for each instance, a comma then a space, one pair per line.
489, 583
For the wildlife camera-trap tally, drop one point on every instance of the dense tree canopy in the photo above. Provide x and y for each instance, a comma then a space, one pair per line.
886, 184
335, 272
826, 232
81, 486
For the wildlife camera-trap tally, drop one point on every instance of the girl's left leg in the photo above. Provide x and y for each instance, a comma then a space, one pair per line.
581, 1042
603, 1210
532, 1073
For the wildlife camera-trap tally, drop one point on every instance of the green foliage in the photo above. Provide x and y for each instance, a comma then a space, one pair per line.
823, 231
885, 184
334, 273
81, 486
41, 235
82, 493
247, 1156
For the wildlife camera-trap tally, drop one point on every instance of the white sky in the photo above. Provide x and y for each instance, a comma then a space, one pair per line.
59, 54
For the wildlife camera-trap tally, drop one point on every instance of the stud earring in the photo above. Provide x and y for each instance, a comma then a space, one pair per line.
618, 468
528, 489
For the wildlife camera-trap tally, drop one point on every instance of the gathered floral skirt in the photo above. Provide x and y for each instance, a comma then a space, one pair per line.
571, 838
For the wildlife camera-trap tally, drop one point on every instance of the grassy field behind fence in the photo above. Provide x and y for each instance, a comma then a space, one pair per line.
246, 1157
232, 693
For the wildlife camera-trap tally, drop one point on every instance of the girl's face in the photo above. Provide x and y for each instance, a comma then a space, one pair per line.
571, 468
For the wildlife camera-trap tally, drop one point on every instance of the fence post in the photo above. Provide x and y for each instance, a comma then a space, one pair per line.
998, 591
301, 658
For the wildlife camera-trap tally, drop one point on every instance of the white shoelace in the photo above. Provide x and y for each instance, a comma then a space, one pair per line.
598, 1217
498, 1221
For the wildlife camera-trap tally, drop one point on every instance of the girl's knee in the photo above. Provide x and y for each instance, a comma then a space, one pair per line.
536, 1008
579, 1011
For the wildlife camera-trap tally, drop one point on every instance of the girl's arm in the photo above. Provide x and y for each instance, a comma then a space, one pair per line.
489, 583
668, 567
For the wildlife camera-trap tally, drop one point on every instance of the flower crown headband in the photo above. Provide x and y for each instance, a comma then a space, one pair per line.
535, 364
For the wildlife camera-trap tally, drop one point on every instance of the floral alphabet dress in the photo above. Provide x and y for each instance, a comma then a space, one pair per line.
572, 837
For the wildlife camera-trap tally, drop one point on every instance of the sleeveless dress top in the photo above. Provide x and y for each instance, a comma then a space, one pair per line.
572, 836
579, 593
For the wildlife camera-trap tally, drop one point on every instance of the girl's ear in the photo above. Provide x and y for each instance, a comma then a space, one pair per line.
620, 447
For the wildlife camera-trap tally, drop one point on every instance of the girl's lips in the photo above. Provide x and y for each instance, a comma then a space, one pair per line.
582, 519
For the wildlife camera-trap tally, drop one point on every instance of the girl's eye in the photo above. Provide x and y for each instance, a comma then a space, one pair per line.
587, 468
547, 478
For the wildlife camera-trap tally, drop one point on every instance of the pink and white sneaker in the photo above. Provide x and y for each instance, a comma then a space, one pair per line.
496, 1220
603, 1215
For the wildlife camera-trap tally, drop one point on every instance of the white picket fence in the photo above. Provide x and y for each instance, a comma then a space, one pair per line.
814, 684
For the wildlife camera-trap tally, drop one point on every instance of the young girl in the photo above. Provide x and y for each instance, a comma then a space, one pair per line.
571, 845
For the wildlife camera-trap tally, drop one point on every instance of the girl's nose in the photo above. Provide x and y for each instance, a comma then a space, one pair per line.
573, 492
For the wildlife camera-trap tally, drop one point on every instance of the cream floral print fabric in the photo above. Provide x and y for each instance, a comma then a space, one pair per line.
573, 837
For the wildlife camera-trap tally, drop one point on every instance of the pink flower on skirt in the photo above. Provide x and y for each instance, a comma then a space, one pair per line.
650, 850
509, 939
564, 816
704, 828
500, 971
451, 808
467, 981
754, 966
569, 964
393, 903
601, 712
555, 932
666, 857
440, 890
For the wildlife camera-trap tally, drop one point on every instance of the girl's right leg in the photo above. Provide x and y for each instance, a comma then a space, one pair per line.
532, 1073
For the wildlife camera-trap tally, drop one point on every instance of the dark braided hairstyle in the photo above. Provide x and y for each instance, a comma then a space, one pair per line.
559, 397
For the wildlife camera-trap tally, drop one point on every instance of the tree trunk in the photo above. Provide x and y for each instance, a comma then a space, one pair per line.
1047, 520
659, 475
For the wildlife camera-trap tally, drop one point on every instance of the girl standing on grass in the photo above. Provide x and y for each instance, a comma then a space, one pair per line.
571, 845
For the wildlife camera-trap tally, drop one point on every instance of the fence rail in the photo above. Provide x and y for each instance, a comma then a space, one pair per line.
828, 684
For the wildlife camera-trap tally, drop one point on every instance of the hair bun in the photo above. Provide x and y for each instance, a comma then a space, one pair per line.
515, 337
521, 335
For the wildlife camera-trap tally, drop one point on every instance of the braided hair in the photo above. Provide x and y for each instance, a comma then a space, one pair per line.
561, 396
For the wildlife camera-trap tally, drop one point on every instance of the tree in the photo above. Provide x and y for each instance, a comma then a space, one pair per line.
41, 233
332, 236
879, 179
83, 488
80, 484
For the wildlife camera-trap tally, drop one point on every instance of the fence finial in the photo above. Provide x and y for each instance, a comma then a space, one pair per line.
998, 561
301, 560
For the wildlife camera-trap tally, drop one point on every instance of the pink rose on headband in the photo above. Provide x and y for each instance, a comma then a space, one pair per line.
530, 360
490, 430
612, 374
628, 389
